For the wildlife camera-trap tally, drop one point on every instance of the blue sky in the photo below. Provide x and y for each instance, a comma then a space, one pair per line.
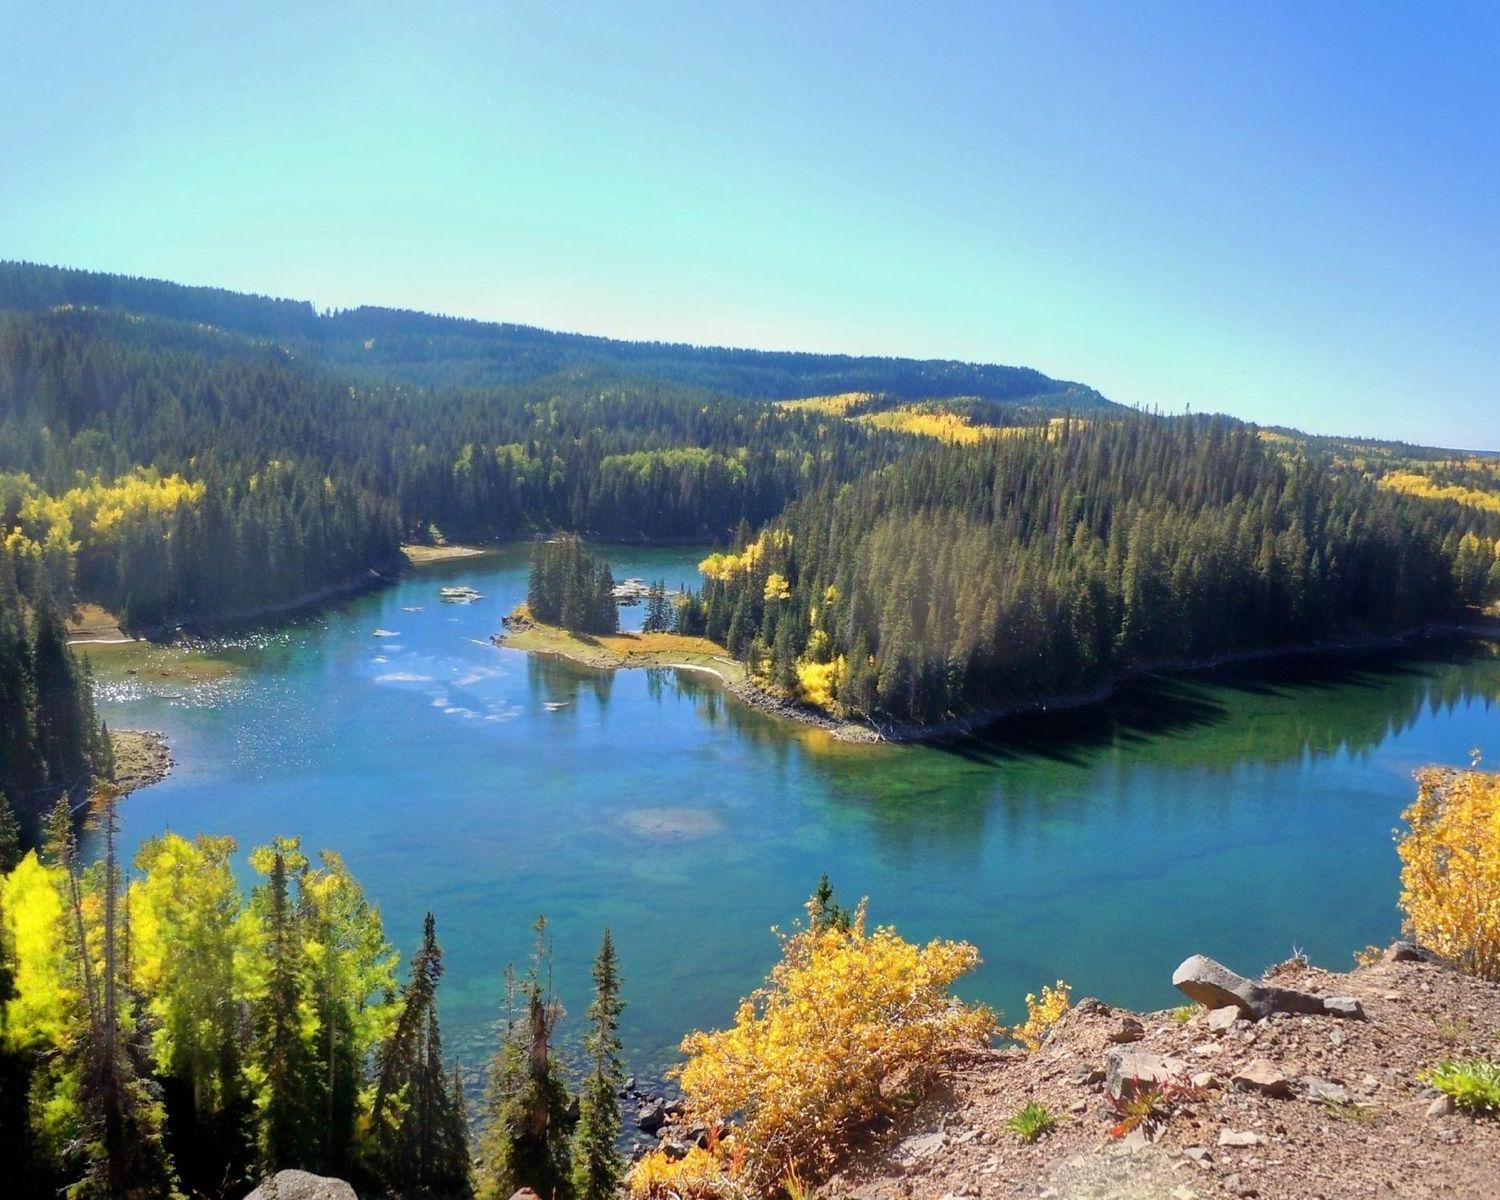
1288, 212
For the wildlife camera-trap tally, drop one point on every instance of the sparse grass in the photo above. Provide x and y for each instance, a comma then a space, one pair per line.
1368, 957
1031, 1122
1452, 1029
1473, 1083
1353, 1112
1185, 1013
1152, 1107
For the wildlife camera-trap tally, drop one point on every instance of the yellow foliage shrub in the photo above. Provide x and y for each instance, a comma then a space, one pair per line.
699, 1175
816, 681
725, 566
812, 1057
1042, 1013
1450, 867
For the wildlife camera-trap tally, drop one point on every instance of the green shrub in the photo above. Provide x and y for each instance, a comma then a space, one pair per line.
1473, 1083
1031, 1121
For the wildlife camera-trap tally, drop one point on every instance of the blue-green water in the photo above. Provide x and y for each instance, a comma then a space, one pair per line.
1239, 814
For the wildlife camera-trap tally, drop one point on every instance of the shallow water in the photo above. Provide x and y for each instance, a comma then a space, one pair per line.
1242, 814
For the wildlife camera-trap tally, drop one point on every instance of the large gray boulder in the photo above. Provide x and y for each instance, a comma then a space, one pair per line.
1214, 985
301, 1185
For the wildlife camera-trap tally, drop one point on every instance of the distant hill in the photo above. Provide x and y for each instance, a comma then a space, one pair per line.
429, 350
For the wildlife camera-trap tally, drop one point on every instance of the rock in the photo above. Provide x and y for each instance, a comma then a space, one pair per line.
300, 1185
1337, 1037
1441, 1107
1205, 1081
1344, 1006
1090, 1007
1236, 1186
1321, 1091
1409, 952
1223, 1018
1128, 1030
920, 1146
1214, 985
1086, 1076
1238, 1139
524, 1193
630, 1083
652, 1117
1198, 1154
1127, 1072
1262, 1076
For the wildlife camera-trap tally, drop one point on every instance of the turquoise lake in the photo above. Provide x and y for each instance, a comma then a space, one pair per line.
1241, 813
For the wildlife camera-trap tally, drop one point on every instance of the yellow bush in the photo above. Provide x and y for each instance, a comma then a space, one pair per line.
817, 681
725, 566
1042, 1013
846, 1017
700, 1175
1450, 867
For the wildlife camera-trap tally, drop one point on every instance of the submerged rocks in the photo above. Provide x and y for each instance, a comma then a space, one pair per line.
651, 1117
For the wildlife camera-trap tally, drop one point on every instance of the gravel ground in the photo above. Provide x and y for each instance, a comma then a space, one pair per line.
1367, 1128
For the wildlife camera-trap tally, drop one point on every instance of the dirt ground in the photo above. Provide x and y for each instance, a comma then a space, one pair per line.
1341, 1111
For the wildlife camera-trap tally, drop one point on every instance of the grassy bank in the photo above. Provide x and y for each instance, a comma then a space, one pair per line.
421, 556
610, 651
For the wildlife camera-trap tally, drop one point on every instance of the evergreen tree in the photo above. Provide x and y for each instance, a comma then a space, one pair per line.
597, 1166
419, 1142
525, 1143
10, 837
280, 1056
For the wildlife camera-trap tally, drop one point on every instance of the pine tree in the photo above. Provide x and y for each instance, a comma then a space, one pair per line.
526, 1141
824, 912
279, 1052
597, 1165
417, 1127
10, 837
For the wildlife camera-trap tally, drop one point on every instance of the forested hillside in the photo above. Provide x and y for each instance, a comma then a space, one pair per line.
972, 577
935, 536
423, 349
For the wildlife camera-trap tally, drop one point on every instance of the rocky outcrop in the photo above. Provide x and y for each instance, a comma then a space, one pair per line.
1203, 1106
301, 1185
1215, 986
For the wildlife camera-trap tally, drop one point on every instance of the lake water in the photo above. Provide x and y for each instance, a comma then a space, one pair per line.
1241, 814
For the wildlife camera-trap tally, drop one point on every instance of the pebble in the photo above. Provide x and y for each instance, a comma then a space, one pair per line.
1239, 1138
1441, 1107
